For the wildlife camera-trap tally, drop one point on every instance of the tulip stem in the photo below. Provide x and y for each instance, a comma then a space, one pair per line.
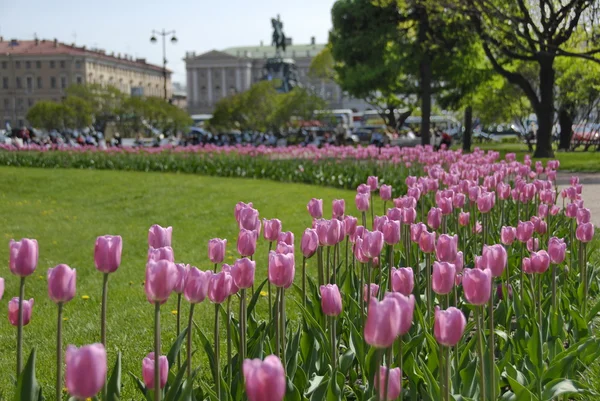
189, 341
217, 353
479, 321
178, 328
554, 308
20, 327
540, 349
103, 320
336, 261
328, 274
428, 278
243, 317
277, 347
333, 345
157, 394
492, 347
442, 372
448, 373
320, 264
59, 367
400, 360
229, 367
303, 284
372, 207
522, 274
361, 295
282, 323
391, 258
269, 286
583, 263
346, 263
364, 219
387, 374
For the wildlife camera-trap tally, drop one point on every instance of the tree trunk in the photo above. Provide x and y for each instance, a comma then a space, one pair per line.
468, 129
425, 76
565, 119
545, 109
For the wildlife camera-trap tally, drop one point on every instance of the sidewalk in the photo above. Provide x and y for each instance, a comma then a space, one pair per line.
591, 191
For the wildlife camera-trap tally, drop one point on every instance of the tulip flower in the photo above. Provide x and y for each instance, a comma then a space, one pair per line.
61, 283
315, 208
161, 278
434, 218
542, 210
444, 274
416, 230
391, 232
393, 377
557, 249
385, 192
287, 237
281, 269
350, 224
524, 231
238, 208
409, 215
243, 273
362, 202
585, 232
477, 285
508, 235
370, 291
583, 215
272, 229
13, 311
571, 210
265, 381
373, 183
486, 201
363, 189
539, 225
383, 322
23, 257
282, 247
331, 300
427, 241
533, 244
216, 250
148, 370
407, 308
463, 218
164, 253
403, 280
378, 222
85, 372
359, 253
338, 208
1, 288
219, 287
246, 244
449, 326
195, 291
446, 248
310, 243
540, 261
494, 257
159, 237
372, 243
249, 219
107, 253
474, 192
458, 200
445, 205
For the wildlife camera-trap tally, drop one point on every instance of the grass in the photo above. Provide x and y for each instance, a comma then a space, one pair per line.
578, 160
65, 210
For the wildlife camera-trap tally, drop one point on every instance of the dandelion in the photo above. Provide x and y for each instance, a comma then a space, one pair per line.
85, 297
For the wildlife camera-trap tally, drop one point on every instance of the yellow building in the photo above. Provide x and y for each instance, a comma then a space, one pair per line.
34, 70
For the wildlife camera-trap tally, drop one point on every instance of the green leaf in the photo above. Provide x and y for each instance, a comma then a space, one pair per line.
321, 391
559, 387
346, 361
174, 350
175, 386
142, 387
254, 298
113, 388
28, 388
522, 393
292, 393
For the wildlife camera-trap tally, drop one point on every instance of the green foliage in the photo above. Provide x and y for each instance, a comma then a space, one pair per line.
48, 115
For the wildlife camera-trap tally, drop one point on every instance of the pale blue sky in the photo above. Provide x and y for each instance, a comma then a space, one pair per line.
124, 26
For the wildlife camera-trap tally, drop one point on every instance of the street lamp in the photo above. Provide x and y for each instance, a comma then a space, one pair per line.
153, 39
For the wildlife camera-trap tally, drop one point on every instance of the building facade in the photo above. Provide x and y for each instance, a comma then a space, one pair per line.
35, 70
217, 74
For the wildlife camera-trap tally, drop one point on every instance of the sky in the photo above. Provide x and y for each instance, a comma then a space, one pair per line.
125, 26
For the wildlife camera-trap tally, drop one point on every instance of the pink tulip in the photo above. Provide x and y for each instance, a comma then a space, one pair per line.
407, 308
427, 241
394, 383
107, 253
13, 311
338, 207
383, 322
524, 231
1, 288
434, 218
363, 189
23, 257
385, 192
526, 266
508, 235
500, 291
61, 283
533, 244
494, 258
271, 228
85, 372
443, 277
287, 237
265, 381
503, 190
416, 230
459, 262
219, 287
486, 201
227, 269
281, 269
238, 208
557, 249
350, 224
540, 261
373, 183
585, 232
445, 205
446, 248
414, 192
474, 192
164, 253
243, 273
249, 219
542, 210
463, 218
148, 370
159, 236
391, 232
362, 202
409, 215
410, 181
539, 225
403, 280
378, 222
315, 208
161, 278
571, 210
358, 233
310, 242
458, 201
216, 250
246, 243
196, 284
335, 232
477, 285
583, 216
370, 291
449, 326
372, 243
331, 300
282, 247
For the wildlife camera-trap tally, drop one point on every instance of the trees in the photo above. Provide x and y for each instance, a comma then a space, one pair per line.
537, 33
47, 115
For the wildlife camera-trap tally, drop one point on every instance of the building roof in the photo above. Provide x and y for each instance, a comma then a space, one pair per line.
43, 47
258, 52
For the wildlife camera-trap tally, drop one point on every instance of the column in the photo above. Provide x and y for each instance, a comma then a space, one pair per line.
248, 76
195, 87
209, 86
223, 83
238, 79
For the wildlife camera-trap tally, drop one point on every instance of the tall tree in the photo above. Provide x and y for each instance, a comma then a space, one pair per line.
536, 32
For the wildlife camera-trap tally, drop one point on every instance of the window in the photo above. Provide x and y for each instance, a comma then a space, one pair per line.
17, 64
39, 82
38, 64
62, 63
6, 104
77, 64
4, 65
20, 102
79, 80
29, 83
30, 102
52, 64
53, 82
28, 65
18, 82
63, 82
5, 83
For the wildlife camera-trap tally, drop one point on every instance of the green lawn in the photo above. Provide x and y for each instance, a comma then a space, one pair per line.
569, 161
65, 210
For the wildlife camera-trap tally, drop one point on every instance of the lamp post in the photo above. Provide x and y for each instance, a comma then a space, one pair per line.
164, 35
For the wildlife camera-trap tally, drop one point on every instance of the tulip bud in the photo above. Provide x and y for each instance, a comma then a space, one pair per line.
85, 372
23, 257
287, 237
331, 300
393, 380
350, 224
508, 235
557, 249
372, 243
281, 269
443, 277
310, 242
427, 241
265, 381
107, 253
13, 311
370, 291
159, 237
446, 248
246, 243
434, 218
238, 208
315, 208
403, 280
585, 232
540, 261
272, 228
249, 219
61, 283
477, 285
148, 370
373, 183
216, 250
338, 207
463, 218
196, 285
362, 202
524, 231
391, 232
494, 258
385, 192
219, 287
161, 278
383, 322
164, 253
449, 326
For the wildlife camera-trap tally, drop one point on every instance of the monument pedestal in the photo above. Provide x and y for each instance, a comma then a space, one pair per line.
284, 70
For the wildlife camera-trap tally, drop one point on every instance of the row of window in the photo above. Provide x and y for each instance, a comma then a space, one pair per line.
20, 103
28, 82
38, 64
